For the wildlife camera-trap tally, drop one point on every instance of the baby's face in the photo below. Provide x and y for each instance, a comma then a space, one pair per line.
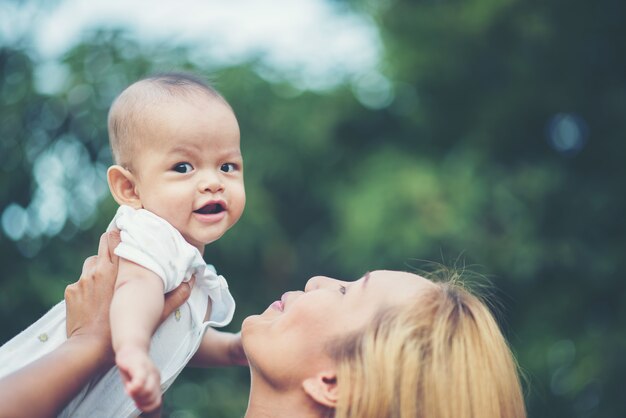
189, 168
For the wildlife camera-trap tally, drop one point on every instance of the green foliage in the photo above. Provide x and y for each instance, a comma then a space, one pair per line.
503, 143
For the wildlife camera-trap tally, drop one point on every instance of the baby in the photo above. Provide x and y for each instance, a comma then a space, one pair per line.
178, 179
176, 144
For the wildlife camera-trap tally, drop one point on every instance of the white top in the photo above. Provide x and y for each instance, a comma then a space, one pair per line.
153, 243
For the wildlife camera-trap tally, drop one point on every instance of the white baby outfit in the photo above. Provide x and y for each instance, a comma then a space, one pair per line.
151, 242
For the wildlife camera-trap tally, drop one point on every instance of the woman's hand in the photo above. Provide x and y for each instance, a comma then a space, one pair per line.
45, 386
88, 299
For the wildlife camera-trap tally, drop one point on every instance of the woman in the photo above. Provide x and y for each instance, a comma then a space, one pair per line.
390, 344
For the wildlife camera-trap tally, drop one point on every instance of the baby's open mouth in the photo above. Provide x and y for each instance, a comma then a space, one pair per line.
210, 209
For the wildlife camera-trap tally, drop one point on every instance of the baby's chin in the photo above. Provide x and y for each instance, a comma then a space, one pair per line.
201, 241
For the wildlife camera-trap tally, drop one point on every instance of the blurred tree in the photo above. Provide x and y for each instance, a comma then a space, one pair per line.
529, 97
492, 132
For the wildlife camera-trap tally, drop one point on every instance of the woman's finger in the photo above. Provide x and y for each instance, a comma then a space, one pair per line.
175, 298
114, 240
103, 246
106, 246
89, 266
103, 259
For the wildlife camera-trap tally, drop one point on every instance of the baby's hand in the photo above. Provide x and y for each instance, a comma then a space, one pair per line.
236, 353
140, 376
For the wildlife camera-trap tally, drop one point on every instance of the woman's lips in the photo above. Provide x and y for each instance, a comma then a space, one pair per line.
280, 304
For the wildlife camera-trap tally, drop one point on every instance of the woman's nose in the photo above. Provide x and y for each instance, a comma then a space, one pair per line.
318, 282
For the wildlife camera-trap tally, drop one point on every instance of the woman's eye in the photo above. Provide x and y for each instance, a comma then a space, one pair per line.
228, 167
343, 289
182, 168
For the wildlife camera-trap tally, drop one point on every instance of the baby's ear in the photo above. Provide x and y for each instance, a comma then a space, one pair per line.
323, 388
122, 186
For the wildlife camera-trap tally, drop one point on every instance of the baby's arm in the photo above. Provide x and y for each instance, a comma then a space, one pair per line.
135, 311
45, 386
219, 349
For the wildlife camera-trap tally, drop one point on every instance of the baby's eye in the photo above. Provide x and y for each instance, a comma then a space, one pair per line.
228, 167
343, 289
182, 168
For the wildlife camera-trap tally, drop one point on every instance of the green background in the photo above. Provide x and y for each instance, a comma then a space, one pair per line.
495, 142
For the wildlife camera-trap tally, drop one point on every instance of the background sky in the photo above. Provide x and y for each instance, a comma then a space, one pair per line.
313, 43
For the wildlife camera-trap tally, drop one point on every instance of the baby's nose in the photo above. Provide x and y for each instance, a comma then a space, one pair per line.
211, 184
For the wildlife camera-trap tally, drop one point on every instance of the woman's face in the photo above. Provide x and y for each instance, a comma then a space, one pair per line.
287, 342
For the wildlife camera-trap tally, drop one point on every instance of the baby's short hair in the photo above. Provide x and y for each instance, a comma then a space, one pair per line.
128, 109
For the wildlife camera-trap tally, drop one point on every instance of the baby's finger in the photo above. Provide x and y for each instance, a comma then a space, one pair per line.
153, 383
154, 414
133, 389
137, 384
126, 377
150, 396
153, 405
150, 402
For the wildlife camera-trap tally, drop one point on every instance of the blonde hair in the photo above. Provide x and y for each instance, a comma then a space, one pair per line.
129, 110
441, 356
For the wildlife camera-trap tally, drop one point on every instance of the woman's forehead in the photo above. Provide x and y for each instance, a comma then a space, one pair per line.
391, 276
386, 284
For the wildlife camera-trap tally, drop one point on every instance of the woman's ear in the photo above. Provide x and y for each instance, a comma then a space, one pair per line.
122, 186
323, 388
